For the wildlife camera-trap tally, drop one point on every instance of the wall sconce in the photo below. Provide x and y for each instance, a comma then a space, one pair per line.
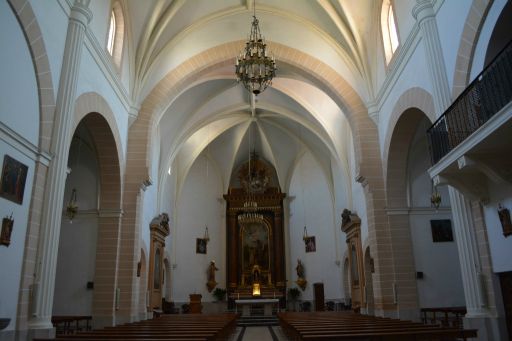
7, 224
506, 223
72, 207
206, 235
305, 234
146, 183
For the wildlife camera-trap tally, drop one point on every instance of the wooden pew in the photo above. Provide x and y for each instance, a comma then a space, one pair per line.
167, 327
349, 326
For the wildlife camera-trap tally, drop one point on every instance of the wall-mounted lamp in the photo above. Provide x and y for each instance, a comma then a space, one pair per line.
206, 234
72, 207
305, 234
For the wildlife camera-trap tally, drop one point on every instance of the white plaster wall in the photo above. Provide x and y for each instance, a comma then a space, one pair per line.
199, 204
450, 31
76, 260
441, 285
18, 87
92, 79
499, 245
403, 17
313, 207
11, 257
411, 76
53, 21
485, 36
100, 20
18, 105
439, 262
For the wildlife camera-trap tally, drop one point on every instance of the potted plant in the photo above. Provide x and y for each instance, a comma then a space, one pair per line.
293, 295
219, 294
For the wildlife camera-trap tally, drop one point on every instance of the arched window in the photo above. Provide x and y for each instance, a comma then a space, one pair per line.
115, 34
389, 32
111, 33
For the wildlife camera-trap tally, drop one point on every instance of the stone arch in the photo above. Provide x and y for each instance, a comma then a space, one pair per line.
92, 102
346, 279
167, 273
403, 127
365, 135
143, 281
32, 31
368, 286
109, 215
468, 41
30, 26
412, 98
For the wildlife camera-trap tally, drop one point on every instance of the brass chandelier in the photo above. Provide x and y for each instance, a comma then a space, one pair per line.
253, 67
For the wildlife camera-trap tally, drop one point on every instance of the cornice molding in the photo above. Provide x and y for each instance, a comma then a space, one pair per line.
23, 145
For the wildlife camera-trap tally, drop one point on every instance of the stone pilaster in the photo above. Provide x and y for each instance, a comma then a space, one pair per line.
43, 289
470, 266
475, 293
425, 16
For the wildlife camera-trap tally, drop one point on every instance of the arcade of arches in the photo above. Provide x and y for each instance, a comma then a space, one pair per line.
137, 172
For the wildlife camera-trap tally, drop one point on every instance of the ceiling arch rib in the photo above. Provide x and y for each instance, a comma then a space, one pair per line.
343, 44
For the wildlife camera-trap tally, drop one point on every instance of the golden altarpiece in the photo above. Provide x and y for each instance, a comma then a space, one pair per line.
255, 237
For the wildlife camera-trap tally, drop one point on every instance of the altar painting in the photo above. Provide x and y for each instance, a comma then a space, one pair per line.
255, 240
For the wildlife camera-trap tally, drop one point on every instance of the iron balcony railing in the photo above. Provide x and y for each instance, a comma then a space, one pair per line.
482, 99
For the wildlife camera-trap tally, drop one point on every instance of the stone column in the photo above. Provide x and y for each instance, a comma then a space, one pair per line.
43, 289
279, 249
475, 293
232, 243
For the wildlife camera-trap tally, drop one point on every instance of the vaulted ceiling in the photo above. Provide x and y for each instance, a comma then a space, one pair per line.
219, 117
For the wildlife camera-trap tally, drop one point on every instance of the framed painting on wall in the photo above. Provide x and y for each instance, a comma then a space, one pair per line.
310, 244
14, 176
441, 230
201, 246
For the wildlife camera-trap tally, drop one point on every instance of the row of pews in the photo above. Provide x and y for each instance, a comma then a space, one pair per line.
199, 327
321, 326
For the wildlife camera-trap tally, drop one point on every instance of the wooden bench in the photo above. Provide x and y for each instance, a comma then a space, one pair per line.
167, 327
65, 324
446, 316
349, 326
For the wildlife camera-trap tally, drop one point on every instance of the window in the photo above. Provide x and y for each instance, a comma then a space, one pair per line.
115, 33
389, 32
111, 33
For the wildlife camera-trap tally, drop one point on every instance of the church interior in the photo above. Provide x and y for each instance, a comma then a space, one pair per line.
171, 160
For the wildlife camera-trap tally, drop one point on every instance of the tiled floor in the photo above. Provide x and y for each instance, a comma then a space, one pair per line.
259, 334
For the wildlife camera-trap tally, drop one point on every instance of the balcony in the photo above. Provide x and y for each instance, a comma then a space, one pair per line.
472, 141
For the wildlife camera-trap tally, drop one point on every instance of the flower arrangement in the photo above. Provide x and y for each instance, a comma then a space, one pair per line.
219, 294
435, 199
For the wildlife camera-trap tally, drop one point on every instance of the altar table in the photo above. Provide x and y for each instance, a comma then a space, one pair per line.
267, 305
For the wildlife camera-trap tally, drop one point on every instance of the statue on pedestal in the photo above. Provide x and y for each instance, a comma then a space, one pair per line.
301, 280
211, 276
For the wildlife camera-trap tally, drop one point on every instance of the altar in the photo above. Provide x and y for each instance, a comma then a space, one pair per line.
246, 304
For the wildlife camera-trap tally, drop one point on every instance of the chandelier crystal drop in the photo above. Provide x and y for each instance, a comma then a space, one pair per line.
253, 67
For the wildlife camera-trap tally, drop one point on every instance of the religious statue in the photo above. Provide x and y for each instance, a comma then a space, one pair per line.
506, 223
345, 217
256, 273
211, 276
301, 280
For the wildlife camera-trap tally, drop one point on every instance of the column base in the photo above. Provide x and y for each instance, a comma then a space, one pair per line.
122, 319
489, 327
10, 335
40, 333
102, 321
